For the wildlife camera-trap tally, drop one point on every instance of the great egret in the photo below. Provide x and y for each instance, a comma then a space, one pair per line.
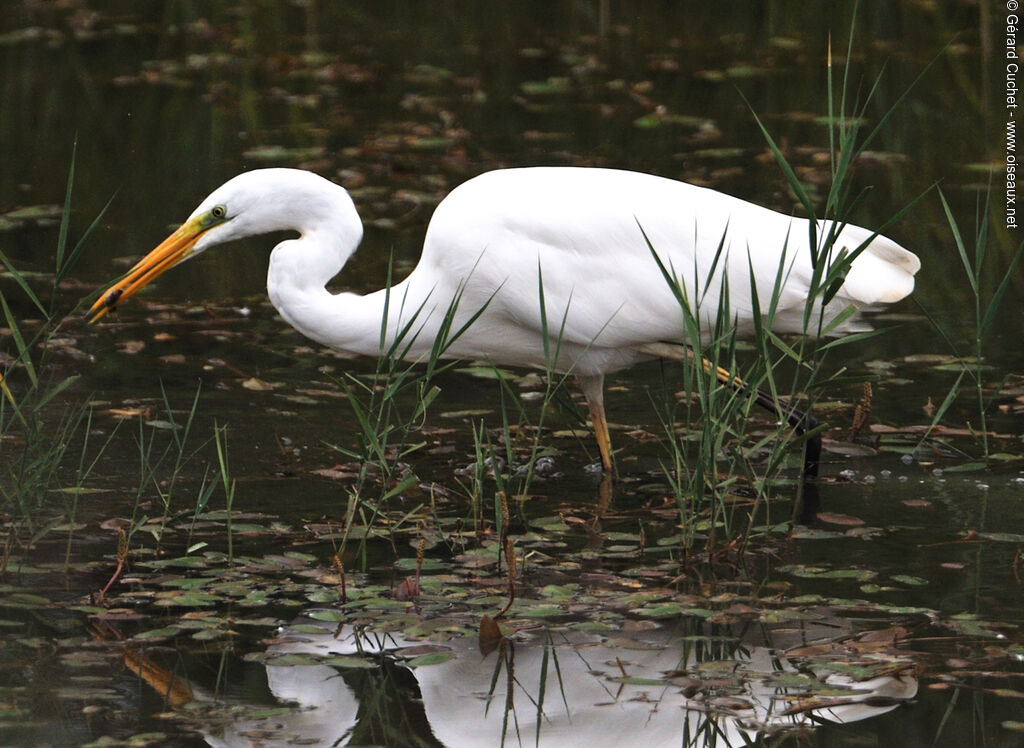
594, 244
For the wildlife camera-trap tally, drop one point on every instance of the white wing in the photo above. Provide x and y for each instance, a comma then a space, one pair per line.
584, 230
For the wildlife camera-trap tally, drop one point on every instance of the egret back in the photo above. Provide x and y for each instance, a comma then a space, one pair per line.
595, 238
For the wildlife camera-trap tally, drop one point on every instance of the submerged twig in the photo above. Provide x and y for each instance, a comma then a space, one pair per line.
122, 556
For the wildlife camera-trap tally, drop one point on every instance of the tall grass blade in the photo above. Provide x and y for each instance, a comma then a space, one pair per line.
65, 218
991, 312
787, 170
23, 283
24, 355
69, 262
961, 247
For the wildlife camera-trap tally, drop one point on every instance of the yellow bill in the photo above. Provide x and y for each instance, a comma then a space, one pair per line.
174, 249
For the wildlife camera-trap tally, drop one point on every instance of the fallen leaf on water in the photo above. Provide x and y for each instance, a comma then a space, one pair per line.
335, 473
258, 385
35, 213
348, 661
834, 518
490, 635
879, 428
436, 658
916, 503
910, 580
128, 412
131, 347
407, 589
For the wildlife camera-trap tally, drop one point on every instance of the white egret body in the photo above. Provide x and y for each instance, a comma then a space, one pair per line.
588, 233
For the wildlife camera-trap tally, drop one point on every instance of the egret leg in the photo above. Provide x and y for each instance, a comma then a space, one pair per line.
800, 422
593, 391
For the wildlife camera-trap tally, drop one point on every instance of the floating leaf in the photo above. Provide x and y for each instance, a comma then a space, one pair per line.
967, 467
258, 385
42, 213
435, 658
208, 634
349, 662
87, 694
664, 610
490, 635
306, 628
162, 633
632, 680
834, 518
1002, 537
539, 611
1008, 693
165, 425
553, 85
906, 579
291, 660
25, 600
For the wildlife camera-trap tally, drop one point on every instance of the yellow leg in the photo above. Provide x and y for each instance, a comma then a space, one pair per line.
802, 422
593, 391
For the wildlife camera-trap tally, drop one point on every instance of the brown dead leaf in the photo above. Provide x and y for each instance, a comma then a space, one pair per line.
258, 385
129, 412
490, 635
879, 428
883, 636
407, 589
834, 518
335, 473
131, 347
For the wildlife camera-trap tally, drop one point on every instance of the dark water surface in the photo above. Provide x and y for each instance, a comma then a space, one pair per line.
400, 102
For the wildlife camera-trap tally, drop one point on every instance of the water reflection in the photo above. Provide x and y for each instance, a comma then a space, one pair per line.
680, 684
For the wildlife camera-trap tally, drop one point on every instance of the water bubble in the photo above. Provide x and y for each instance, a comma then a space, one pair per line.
937, 472
906, 459
848, 474
886, 473
869, 479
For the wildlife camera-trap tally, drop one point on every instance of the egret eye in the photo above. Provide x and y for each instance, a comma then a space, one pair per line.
219, 211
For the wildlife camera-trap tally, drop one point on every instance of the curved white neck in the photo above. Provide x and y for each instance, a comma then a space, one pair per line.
296, 283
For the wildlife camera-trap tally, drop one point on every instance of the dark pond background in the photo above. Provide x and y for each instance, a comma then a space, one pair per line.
402, 101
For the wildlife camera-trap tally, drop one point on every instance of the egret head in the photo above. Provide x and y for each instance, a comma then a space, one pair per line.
255, 202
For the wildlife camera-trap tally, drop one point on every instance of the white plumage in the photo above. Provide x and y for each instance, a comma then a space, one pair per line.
582, 230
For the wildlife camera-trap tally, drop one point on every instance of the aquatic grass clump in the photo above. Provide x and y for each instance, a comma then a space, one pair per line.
706, 468
379, 402
985, 312
49, 450
37, 434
